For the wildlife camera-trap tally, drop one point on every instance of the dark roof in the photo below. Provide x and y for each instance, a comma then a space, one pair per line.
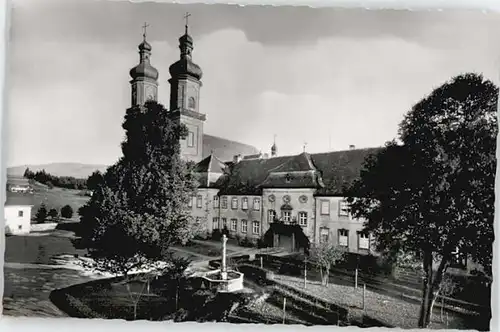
336, 169
340, 168
209, 165
24, 199
225, 149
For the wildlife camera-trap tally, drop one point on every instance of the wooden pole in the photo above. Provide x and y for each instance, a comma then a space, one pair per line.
356, 279
364, 291
305, 272
284, 310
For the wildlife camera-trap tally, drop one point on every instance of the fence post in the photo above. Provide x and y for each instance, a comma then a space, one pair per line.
364, 291
261, 263
284, 309
356, 278
305, 272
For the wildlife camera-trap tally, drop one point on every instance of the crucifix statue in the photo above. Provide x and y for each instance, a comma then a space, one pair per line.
144, 27
186, 17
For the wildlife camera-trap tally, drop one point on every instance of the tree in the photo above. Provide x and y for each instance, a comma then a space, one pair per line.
53, 213
41, 214
434, 193
67, 212
28, 174
139, 207
327, 255
93, 180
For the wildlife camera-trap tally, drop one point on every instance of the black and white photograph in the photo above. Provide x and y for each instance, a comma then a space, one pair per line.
217, 163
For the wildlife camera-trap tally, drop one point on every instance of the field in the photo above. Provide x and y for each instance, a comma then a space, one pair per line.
57, 198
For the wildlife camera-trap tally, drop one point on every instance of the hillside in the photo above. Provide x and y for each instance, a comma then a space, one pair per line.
57, 198
79, 171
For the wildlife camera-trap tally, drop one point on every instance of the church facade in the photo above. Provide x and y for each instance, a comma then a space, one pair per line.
286, 199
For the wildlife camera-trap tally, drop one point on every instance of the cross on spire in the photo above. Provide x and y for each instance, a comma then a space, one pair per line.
304, 146
186, 17
144, 31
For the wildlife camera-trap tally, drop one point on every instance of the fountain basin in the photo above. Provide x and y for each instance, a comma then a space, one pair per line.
215, 280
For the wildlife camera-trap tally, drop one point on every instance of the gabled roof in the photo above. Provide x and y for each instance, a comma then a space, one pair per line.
332, 169
210, 164
19, 199
225, 149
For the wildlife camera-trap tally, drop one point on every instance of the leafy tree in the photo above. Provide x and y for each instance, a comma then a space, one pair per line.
140, 208
67, 212
434, 193
53, 213
28, 174
94, 180
326, 256
41, 214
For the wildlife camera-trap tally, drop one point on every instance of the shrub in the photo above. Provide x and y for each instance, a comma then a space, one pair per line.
41, 214
67, 212
216, 235
246, 242
53, 214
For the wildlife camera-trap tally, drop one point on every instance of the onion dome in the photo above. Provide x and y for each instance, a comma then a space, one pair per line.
185, 66
144, 68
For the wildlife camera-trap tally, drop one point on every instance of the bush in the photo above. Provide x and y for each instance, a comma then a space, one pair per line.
246, 242
53, 214
41, 214
67, 212
216, 235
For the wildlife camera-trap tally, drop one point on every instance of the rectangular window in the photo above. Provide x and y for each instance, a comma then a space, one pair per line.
343, 237
256, 227
190, 202
325, 208
271, 214
458, 259
199, 200
224, 202
234, 203
244, 226
244, 203
303, 218
323, 234
343, 208
363, 240
198, 220
216, 201
224, 223
287, 216
20, 213
234, 224
190, 139
256, 204
215, 223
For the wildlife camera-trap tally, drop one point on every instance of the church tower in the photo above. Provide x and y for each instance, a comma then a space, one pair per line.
144, 81
185, 87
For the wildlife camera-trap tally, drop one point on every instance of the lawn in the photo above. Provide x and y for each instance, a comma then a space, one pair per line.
38, 249
383, 308
57, 198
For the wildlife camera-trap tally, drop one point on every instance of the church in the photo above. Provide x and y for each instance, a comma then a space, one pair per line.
286, 201
292, 202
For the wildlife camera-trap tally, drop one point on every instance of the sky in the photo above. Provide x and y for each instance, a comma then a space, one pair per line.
326, 77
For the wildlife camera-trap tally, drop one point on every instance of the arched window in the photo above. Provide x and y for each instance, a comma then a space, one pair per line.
191, 103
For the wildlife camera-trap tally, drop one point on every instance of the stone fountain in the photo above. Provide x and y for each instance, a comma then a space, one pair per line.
224, 280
